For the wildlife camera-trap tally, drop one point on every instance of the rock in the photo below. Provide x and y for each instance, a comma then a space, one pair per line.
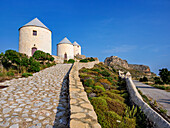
135, 69
18, 109
92, 94
60, 114
28, 119
142, 68
41, 117
6, 110
48, 126
16, 120
78, 124
114, 60
14, 126
80, 56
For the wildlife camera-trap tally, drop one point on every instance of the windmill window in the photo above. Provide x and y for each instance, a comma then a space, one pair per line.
34, 33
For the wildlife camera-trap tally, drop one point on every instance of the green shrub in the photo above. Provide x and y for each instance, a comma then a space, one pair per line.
84, 70
88, 89
99, 88
163, 110
91, 59
105, 73
116, 105
89, 82
84, 60
102, 68
26, 74
65, 61
110, 79
42, 56
99, 104
10, 74
113, 96
1, 74
144, 79
71, 61
96, 70
34, 65
158, 80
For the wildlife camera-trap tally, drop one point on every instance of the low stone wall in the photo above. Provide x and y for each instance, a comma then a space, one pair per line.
152, 115
58, 59
82, 114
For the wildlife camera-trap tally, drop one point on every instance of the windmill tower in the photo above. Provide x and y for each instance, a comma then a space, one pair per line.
34, 36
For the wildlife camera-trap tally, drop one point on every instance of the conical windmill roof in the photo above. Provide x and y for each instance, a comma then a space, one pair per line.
65, 41
36, 22
75, 43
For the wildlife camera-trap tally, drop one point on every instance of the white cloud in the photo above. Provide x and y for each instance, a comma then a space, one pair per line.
120, 49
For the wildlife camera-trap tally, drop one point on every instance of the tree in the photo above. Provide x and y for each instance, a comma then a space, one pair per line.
34, 66
165, 75
158, 80
42, 56
1, 56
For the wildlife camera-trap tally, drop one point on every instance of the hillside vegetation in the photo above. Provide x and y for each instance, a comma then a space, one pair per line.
110, 99
14, 64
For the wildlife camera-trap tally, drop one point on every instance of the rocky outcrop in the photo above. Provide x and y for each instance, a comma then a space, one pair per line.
118, 63
80, 56
142, 68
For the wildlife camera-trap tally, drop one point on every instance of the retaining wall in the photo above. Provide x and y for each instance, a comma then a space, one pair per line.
82, 114
152, 115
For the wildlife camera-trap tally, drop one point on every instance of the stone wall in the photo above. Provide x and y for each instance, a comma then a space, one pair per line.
136, 98
82, 114
58, 59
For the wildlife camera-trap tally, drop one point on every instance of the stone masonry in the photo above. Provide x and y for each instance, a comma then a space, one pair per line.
81, 110
135, 97
39, 101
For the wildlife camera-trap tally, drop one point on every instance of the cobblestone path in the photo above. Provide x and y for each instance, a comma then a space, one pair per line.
40, 101
162, 97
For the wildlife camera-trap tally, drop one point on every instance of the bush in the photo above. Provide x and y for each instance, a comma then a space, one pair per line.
105, 81
110, 79
42, 56
84, 60
99, 88
1, 74
34, 65
88, 89
10, 74
26, 74
144, 79
65, 61
105, 73
89, 82
165, 75
98, 84
71, 61
91, 59
96, 70
158, 80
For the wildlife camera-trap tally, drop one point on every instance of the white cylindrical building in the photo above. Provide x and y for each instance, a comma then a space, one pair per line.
65, 49
77, 48
34, 36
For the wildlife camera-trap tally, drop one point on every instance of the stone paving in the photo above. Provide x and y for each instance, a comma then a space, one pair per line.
40, 101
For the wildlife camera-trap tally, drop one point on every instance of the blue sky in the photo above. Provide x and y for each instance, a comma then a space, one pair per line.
135, 30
